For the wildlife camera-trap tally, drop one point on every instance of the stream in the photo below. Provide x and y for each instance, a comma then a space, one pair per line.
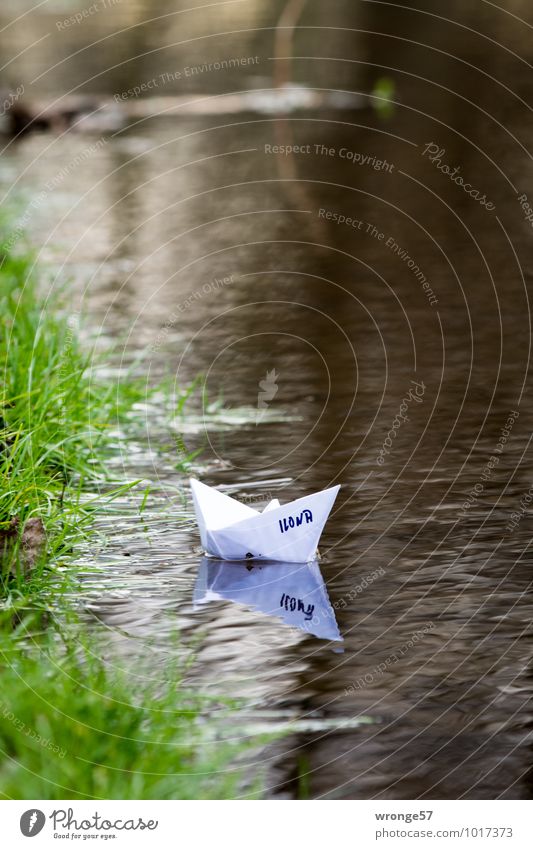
323, 248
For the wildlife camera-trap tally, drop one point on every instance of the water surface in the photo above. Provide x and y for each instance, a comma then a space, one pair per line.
186, 238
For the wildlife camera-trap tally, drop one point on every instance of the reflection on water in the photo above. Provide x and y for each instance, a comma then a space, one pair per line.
295, 593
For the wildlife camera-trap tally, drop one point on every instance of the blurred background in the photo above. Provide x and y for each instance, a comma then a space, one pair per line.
266, 194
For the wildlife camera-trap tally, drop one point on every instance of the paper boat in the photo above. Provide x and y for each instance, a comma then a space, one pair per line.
234, 531
294, 593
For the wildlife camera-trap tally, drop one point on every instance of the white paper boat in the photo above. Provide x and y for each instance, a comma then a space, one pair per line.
234, 531
294, 593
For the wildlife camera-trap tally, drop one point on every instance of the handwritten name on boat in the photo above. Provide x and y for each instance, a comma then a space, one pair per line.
295, 521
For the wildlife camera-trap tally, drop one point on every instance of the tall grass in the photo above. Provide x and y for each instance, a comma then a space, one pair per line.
46, 403
70, 727
55, 413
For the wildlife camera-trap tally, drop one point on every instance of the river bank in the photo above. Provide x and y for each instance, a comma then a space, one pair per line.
73, 724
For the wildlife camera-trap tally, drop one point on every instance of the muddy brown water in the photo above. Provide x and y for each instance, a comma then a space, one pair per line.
186, 238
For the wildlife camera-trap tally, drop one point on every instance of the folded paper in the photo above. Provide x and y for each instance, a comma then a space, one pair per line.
234, 531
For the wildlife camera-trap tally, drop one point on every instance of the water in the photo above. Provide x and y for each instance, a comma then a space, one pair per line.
184, 237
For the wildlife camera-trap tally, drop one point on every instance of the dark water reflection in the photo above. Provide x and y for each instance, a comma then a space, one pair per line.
188, 238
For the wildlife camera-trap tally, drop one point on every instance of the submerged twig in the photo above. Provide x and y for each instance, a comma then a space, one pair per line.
283, 39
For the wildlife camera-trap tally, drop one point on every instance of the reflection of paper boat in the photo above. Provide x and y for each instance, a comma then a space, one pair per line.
234, 531
295, 593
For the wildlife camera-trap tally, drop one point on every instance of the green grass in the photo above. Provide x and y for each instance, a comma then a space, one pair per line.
47, 403
71, 728
56, 414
